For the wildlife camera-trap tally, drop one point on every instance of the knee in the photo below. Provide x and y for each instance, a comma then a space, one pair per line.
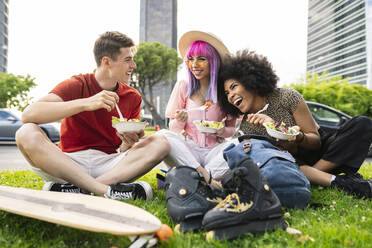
284, 174
294, 198
363, 123
29, 136
160, 144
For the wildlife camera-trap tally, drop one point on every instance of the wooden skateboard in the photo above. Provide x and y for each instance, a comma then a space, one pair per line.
91, 213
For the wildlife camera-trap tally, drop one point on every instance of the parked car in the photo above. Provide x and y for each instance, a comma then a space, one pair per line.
10, 123
329, 118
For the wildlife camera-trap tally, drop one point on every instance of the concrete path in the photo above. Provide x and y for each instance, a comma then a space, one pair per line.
12, 159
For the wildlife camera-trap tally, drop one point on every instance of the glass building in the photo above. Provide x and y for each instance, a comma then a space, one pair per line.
3, 35
158, 22
339, 39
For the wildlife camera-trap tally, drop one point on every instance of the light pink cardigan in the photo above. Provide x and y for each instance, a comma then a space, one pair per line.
178, 101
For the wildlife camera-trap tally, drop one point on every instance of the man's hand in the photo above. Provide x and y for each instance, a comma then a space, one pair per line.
128, 139
104, 99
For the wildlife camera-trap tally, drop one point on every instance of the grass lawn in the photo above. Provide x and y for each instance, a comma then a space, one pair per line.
344, 222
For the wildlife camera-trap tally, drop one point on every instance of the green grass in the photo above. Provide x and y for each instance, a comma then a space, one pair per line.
345, 222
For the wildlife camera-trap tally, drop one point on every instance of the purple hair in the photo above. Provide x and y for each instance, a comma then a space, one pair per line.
201, 48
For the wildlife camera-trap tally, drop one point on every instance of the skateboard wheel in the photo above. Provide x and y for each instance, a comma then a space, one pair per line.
164, 233
210, 236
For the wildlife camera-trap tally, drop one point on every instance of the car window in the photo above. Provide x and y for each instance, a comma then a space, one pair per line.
4, 115
323, 114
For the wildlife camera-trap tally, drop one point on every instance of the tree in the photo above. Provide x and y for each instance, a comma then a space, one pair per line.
336, 92
156, 64
14, 90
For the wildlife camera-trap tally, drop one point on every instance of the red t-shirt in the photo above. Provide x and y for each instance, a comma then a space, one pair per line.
93, 129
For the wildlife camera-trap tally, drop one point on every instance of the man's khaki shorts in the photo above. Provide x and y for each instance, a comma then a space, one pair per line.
93, 162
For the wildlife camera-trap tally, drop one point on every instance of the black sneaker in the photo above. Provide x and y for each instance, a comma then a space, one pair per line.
354, 185
61, 187
360, 177
128, 191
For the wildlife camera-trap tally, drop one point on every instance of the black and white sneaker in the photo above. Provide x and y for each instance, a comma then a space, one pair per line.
128, 191
360, 177
354, 185
61, 187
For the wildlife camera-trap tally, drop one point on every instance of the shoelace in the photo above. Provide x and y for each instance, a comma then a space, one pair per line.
233, 204
229, 200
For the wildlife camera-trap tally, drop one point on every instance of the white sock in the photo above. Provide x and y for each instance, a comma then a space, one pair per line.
333, 178
108, 193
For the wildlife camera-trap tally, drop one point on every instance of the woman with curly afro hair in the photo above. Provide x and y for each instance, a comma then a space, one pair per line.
248, 83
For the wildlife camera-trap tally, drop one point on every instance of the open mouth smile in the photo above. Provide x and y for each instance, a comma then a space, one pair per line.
238, 101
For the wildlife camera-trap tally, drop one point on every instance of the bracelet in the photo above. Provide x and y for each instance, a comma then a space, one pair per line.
302, 139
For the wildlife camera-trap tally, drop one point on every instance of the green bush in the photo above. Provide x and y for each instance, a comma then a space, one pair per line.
352, 99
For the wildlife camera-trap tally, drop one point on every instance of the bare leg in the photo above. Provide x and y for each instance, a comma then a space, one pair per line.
326, 166
316, 176
139, 160
40, 152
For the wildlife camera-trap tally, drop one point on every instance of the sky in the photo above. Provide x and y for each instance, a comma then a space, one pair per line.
53, 40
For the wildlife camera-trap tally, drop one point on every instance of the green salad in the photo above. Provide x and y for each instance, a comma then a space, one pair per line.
281, 127
117, 120
212, 124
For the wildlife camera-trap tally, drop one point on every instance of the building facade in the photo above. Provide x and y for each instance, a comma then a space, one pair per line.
158, 23
3, 35
339, 39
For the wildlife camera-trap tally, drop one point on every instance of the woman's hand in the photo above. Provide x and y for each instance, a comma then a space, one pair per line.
291, 144
220, 131
207, 177
258, 119
181, 115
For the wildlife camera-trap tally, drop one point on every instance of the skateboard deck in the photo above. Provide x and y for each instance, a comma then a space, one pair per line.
91, 213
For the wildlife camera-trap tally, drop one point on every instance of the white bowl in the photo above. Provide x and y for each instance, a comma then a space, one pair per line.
206, 129
280, 135
128, 126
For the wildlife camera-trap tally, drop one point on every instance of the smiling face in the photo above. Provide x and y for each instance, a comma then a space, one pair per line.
239, 97
199, 67
122, 68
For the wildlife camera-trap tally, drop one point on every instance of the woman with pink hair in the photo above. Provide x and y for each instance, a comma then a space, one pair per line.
203, 54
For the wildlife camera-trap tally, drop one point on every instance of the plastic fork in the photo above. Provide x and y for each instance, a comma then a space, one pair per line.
263, 109
239, 124
198, 108
120, 114
203, 107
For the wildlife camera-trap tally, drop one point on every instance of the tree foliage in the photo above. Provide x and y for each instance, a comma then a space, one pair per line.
352, 99
14, 90
156, 64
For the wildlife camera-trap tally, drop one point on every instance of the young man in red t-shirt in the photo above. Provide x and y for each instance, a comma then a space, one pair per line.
88, 157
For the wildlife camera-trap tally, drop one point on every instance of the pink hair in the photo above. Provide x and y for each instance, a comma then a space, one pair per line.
201, 48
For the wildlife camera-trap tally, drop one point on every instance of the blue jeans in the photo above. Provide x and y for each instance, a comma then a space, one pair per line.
278, 168
288, 182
